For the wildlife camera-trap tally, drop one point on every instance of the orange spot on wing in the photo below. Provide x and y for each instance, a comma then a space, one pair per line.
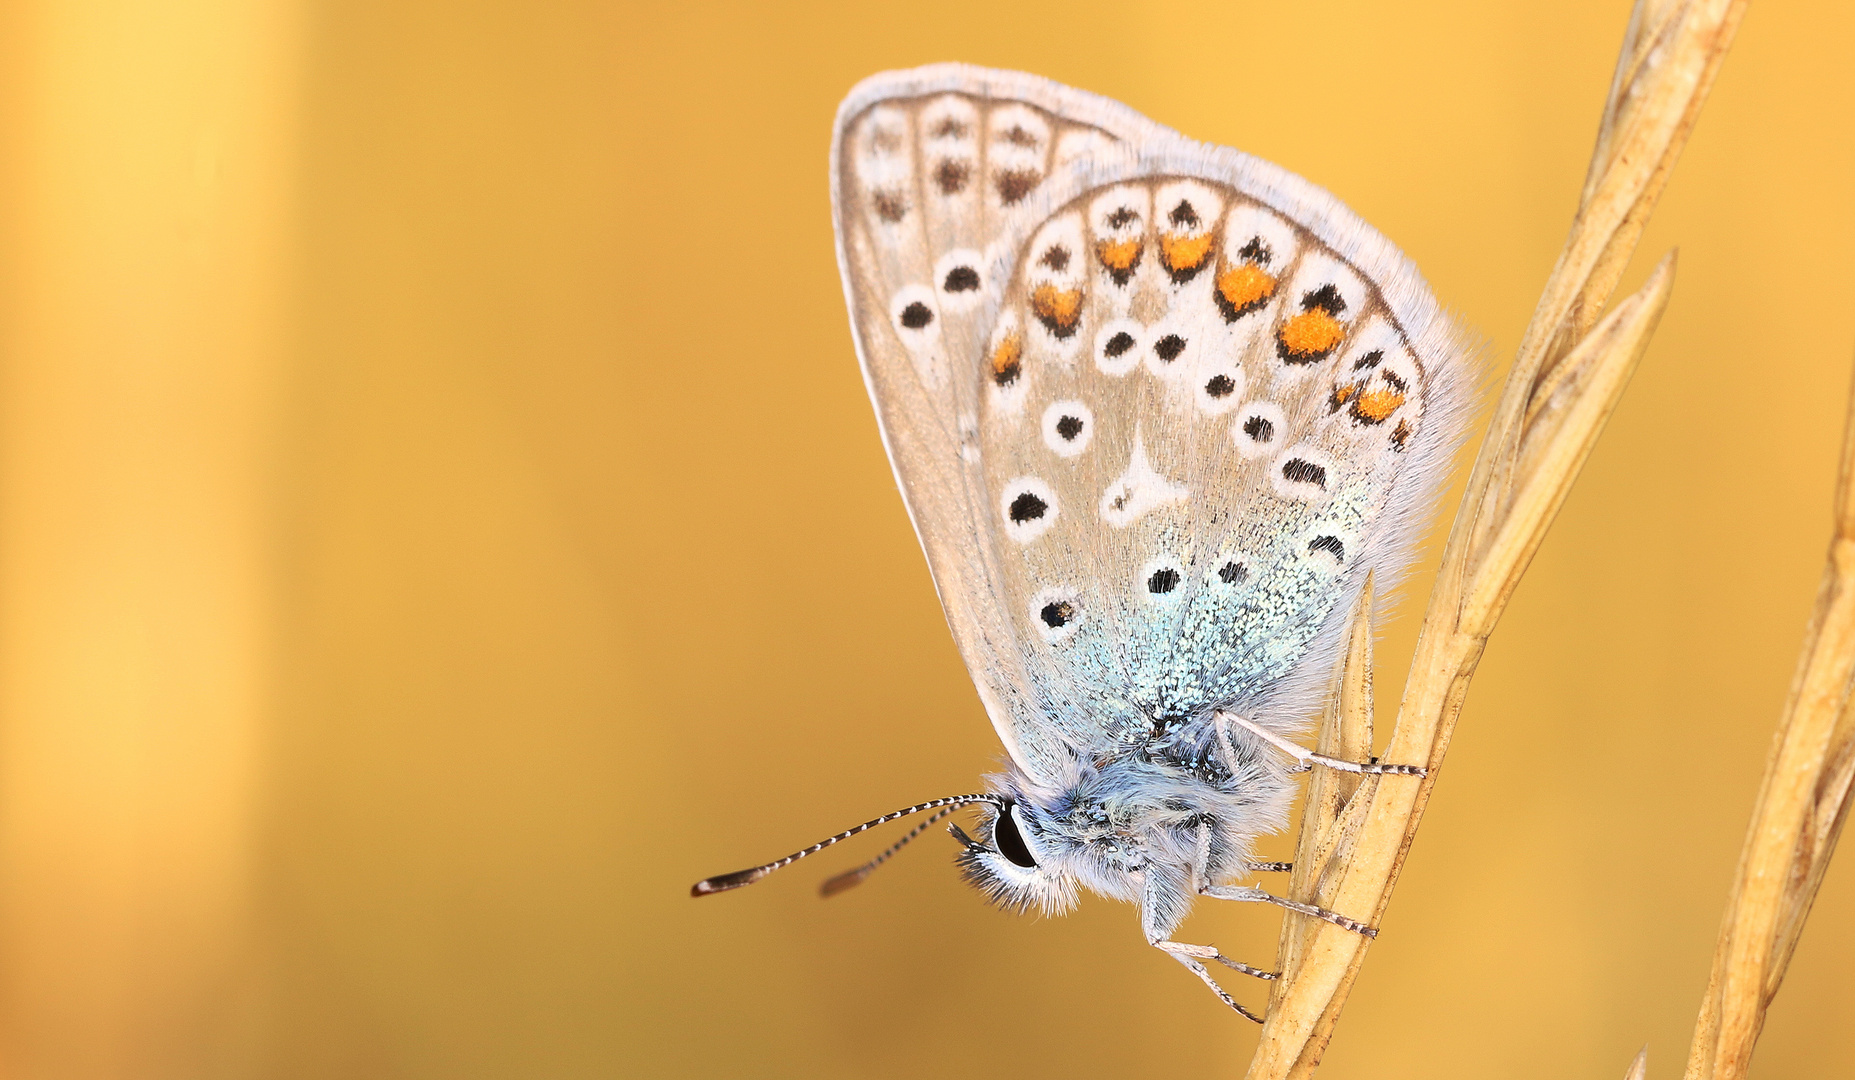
1118, 255
1310, 335
1376, 406
1245, 285
1007, 360
1057, 308
1184, 252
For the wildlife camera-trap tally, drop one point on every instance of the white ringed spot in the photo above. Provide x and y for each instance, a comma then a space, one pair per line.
1028, 509
1055, 613
1169, 349
960, 279
1259, 428
1219, 390
1118, 347
914, 313
1327, 549
1068, 427
1302, 473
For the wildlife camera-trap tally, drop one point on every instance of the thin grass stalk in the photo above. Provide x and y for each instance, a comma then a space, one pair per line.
1567, 374
1802, 804
1346, 733
1308, 1002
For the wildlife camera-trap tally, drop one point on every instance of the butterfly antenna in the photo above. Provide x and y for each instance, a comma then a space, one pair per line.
724, 882
845, 880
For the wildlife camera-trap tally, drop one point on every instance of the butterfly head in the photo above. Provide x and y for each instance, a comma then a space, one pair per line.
1147, 828
1021, 861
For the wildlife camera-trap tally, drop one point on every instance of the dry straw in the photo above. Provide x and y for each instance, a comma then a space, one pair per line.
1567, 375
1801, 806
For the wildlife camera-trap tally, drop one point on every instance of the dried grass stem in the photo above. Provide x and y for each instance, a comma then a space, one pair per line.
1568, 373
1802, 804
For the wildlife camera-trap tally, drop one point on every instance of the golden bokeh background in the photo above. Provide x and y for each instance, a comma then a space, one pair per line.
440, 518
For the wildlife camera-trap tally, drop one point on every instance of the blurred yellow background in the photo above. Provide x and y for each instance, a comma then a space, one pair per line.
440, 519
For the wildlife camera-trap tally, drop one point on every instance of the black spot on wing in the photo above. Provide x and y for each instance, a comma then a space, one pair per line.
1303, 471
1162, 581
951, 175
961, 279
1027, 507
916, 315
1327, 298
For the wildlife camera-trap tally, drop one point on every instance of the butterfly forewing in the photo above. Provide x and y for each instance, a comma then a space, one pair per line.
1155, 407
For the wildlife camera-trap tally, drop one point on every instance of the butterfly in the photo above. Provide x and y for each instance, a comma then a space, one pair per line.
1156, 409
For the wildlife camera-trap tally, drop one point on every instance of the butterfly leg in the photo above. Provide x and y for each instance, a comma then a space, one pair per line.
1192, 956
1251, 895
1203, 859
1302, 753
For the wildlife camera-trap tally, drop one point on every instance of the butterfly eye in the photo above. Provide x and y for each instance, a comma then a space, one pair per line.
1008, 835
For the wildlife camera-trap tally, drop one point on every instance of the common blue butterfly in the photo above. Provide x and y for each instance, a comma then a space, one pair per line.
1156, 409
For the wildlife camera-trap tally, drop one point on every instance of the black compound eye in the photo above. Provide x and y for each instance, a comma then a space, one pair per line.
1010, 840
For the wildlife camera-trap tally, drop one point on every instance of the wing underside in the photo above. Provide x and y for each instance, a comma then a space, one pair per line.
1155, 407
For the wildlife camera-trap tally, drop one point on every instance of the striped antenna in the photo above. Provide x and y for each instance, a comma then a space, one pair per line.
724, 882
848, 878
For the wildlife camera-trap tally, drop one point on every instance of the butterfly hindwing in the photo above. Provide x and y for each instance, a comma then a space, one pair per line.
1155, 407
